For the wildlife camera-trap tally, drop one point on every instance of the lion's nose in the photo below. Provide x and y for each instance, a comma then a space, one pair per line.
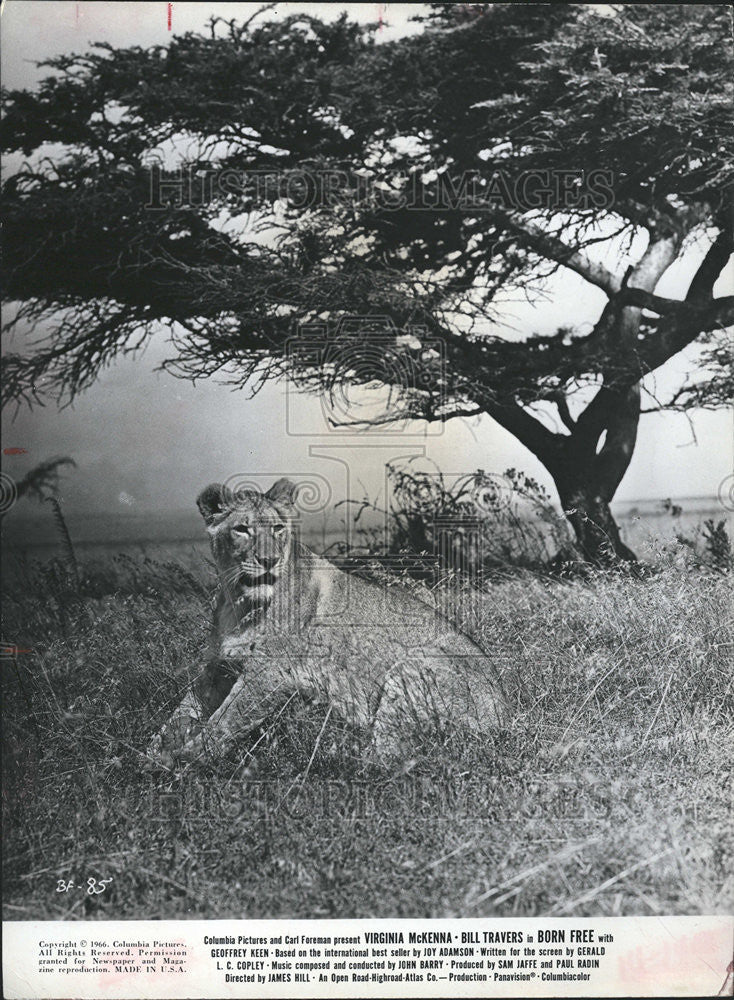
267, 561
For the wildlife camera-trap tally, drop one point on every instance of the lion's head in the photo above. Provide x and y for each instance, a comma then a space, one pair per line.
251, 535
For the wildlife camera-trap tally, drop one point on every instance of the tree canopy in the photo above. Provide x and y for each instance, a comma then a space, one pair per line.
239, 184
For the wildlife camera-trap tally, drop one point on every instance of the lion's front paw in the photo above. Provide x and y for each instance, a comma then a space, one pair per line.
184, 725
181, 729
202, 746
167, 746
158, 755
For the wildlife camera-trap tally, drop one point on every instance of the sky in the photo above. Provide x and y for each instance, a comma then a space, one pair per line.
144, 440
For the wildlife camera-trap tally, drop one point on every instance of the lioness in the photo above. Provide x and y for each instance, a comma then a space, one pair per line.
288, 623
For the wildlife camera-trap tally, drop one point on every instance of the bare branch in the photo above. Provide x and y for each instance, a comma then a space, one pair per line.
563, 411
555, 249
526, 428
713, 264
674, 332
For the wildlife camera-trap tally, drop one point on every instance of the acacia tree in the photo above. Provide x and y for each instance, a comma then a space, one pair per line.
240, 184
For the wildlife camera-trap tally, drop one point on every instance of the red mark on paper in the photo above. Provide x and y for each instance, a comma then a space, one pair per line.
170, 15
14, 451
676, 959
380, 12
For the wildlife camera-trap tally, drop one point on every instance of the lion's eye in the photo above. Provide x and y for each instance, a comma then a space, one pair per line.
278, 529
241, 529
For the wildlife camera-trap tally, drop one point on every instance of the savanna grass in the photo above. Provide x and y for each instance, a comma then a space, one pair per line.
607, 794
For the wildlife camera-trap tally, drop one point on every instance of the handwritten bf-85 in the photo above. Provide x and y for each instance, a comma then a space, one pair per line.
94, 886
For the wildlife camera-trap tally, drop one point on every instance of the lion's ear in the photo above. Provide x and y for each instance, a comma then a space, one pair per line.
284, 491
211, 501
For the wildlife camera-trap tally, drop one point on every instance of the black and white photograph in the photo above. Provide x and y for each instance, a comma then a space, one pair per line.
367, 499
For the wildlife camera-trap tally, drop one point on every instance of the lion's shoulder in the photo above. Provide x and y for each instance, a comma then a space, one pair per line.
356, 597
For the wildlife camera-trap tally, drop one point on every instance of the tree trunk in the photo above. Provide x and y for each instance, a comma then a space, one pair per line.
587, 464
589, 467
596, 531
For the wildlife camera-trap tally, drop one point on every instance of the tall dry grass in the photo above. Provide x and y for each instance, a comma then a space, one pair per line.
609, 793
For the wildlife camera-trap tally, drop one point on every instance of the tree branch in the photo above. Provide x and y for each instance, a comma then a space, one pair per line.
678, 326
613, 459
654, 262
676, 331
563, 411
555, 249
702, 284
594, 419
641, 299
526, 428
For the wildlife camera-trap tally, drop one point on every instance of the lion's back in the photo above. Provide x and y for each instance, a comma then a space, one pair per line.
389, 610
364, 643
383, 630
